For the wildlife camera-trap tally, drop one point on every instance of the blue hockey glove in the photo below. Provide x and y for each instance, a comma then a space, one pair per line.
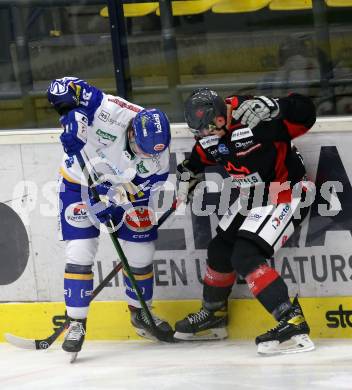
110, 198
101, 210
74, 137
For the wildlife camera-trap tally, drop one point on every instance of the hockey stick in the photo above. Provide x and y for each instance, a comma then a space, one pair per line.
113, 235
37, 344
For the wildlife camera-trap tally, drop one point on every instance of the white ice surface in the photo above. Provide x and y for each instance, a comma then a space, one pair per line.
184, 366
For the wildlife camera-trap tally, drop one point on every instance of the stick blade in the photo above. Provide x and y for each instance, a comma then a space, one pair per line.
20, 342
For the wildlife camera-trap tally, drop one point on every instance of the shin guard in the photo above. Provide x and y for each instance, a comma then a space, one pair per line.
78, 287
144, 278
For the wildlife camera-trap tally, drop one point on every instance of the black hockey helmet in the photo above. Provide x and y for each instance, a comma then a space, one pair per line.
201, 107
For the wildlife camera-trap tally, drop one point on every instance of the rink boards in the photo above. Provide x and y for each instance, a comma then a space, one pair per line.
316, 262
327, 318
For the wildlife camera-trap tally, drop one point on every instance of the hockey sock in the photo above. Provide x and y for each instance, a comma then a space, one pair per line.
144, 278
270, 290
78, 287
217, 287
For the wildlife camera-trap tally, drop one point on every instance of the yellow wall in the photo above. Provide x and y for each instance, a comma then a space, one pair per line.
110, 320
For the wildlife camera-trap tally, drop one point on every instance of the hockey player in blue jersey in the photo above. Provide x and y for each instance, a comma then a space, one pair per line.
127, 148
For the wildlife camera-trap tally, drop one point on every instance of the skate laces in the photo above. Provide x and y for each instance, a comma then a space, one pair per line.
145, 318
198, 317
278, 325
294, 318
76, 331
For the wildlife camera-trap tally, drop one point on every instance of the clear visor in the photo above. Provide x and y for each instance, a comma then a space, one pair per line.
211, 129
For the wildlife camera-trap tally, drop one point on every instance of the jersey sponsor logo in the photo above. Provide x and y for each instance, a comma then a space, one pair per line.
105, 135
250, 150
139, 219
242, 145
141, 168
254, 216
104, 116
276, 221
206, 142
223, 149
247, 181
241, 133
123, 104
236, 171
76, 215
82, 126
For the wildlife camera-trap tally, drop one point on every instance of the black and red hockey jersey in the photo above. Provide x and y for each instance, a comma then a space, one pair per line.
264, 154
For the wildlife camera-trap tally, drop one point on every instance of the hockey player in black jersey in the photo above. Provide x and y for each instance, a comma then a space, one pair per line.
250, 137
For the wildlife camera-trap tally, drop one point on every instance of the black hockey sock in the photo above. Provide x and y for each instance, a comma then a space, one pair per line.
270, 290
217, 287
275, 298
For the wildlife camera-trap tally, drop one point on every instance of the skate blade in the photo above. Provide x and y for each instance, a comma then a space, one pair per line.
146, 335
297, 344
209, 334
73, 356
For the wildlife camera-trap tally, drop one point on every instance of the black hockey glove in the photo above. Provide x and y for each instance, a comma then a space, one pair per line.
187, 182
253, 111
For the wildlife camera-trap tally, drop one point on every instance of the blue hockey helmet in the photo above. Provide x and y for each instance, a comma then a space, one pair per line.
151, 130
64, 94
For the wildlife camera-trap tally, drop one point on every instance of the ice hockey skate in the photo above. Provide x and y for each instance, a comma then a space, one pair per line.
291, 335
74, 337
203, 325
143, 327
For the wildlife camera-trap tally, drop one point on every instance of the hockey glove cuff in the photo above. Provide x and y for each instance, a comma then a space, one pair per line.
71, 144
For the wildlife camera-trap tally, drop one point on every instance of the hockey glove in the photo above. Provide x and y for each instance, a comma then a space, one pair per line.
101, 210
74, 136
187, 182
110, 198
115, 194
253, 111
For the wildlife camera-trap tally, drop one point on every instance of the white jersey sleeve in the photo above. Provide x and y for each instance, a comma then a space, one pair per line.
106, 143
